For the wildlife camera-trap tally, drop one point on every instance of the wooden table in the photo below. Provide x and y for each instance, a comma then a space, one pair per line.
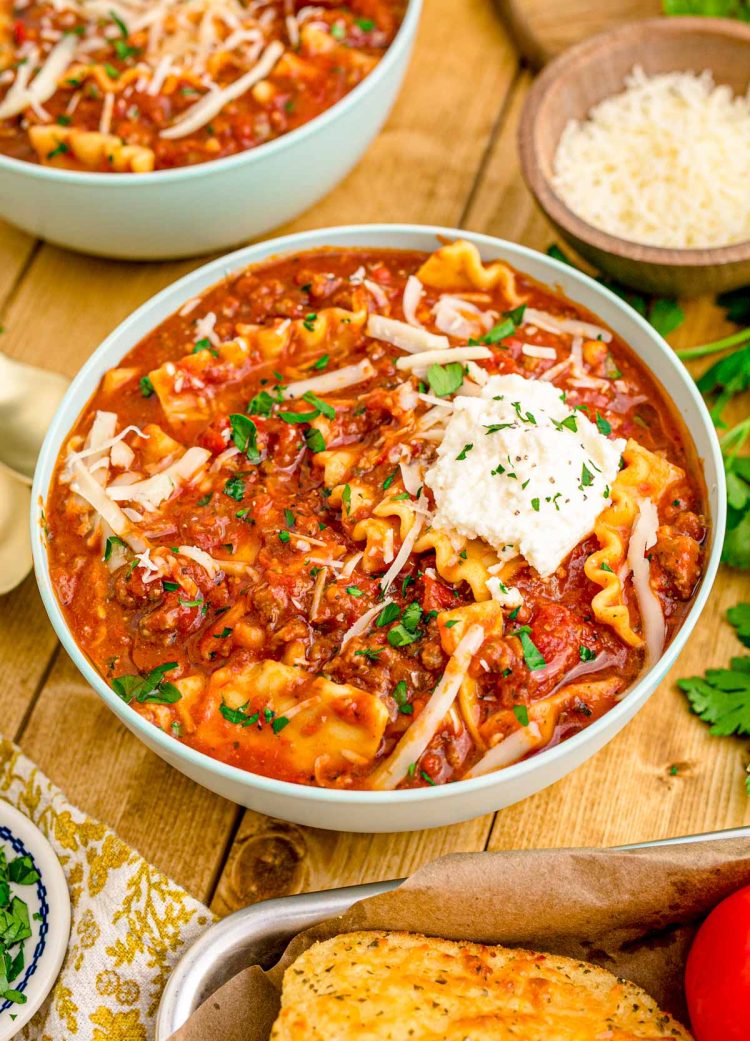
447, 156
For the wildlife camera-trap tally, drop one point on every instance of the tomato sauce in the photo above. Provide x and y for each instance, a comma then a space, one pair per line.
262, 508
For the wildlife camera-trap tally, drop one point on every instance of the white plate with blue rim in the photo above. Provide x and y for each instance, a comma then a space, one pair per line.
34, 919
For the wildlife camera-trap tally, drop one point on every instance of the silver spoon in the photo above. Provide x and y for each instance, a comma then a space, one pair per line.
28, 399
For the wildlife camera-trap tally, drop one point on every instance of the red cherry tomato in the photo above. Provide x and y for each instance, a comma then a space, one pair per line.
717, 976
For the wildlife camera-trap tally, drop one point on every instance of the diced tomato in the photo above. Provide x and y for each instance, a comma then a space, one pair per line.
19, 33
437, 597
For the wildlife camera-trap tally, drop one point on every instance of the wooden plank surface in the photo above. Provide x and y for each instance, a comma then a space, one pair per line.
447, 155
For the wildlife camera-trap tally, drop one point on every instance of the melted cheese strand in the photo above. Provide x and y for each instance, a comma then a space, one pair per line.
642, 539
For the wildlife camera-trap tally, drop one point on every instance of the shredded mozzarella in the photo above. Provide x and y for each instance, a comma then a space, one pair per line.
441, 357
413, 293
339, 379
533, 350
405, 337
553, 323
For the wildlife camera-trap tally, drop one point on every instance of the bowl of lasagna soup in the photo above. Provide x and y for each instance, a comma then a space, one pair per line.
379, 527
147, 129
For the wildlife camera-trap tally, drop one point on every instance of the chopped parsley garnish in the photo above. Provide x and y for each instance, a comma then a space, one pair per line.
152, 688
522, 714
569, 423
205, 499
289, 518
315, 441
494, 427
531, 654
323, 407
245, 436
445, 379
464, 452
604, 566
371, 653
284, 536
147, 387
321, 362
191, 603
279, 723
111, 71
603, 425
63, 120
587, 478
346, 497
389, 614
354, 591
299, 417
239, 716
170, 587
451, 622
235, 488
261, 404
535, 505
365, 24
426, 777
309, 322
400, 696
113, 540
59, 149
389, 480
501, 331
586, 654
406, 631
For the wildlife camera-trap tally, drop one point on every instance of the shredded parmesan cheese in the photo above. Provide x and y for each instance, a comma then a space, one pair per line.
403, 554
441, 357
666, 162
339, 379
362, 624
425, 726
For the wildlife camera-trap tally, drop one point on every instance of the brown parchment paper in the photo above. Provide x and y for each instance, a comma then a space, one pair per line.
634, 913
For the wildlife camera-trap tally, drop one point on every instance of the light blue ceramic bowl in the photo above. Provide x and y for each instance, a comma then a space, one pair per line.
215, 205
423, 807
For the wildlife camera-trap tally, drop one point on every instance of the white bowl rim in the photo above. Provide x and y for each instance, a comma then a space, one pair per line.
232, 263
99, 179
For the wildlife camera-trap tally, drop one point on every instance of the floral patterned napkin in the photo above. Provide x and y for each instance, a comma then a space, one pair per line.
130, 923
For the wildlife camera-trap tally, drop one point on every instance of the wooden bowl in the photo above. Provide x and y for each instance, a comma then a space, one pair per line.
596, 69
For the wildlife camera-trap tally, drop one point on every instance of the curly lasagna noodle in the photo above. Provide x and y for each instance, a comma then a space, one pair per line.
141, 85
376, 519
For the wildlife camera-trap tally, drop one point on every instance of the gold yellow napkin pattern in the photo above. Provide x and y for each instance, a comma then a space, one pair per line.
130, 923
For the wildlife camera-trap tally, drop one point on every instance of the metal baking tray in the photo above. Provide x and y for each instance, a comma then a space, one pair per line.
258, 935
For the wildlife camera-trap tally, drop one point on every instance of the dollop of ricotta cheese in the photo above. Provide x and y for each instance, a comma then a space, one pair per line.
523, 470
